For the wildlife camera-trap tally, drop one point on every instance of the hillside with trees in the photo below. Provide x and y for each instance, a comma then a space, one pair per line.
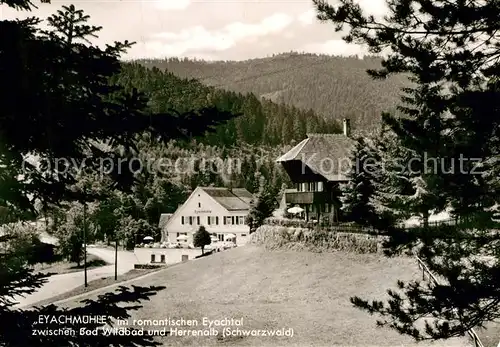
87, 171
334, 87
260, 121
239, 152
77, 97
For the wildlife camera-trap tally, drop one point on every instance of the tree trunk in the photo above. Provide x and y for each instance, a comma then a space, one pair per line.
202, 250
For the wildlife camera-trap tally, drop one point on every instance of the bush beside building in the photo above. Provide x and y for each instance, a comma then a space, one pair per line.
276, 237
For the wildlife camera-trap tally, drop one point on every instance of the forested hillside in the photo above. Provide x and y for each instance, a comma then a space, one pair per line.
261, 121
241, 153
335, 87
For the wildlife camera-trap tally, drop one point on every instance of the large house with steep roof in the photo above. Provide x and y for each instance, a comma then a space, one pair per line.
222, 211
317, 166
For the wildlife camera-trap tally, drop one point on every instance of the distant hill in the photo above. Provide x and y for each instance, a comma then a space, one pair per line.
261, 122
335, 87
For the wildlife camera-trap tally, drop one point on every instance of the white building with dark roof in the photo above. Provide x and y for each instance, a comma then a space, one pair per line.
222, 211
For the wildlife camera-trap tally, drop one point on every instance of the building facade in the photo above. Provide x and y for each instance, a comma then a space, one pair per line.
164, 256
317, 166
222, 211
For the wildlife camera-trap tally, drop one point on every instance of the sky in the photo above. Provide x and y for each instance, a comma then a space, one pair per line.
210, 29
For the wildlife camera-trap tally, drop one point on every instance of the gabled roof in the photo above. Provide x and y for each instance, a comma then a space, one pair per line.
164, 218
243, 194
235, 199
325, 154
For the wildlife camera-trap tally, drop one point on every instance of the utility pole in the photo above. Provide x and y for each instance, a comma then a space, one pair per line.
116, 257
85, 242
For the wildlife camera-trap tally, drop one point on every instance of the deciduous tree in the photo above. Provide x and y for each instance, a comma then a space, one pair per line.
202, 238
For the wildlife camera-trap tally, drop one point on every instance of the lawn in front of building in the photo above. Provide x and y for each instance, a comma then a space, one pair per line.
307, 292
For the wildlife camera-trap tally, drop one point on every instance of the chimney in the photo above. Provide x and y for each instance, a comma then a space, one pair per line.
347, 127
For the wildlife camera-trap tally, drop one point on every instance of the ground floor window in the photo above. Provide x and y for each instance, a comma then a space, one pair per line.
213, 220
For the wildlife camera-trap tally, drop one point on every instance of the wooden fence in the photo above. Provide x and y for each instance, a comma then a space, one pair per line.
346, 227
433, 279
450, 221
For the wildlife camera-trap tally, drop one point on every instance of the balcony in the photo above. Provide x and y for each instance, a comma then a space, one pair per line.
308, 197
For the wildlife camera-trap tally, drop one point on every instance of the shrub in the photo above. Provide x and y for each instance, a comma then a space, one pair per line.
315, 240
339, 227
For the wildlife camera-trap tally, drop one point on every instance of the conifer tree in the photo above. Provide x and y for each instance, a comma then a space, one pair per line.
261, 206
401, 182
358, 193
449, 49
70, 107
